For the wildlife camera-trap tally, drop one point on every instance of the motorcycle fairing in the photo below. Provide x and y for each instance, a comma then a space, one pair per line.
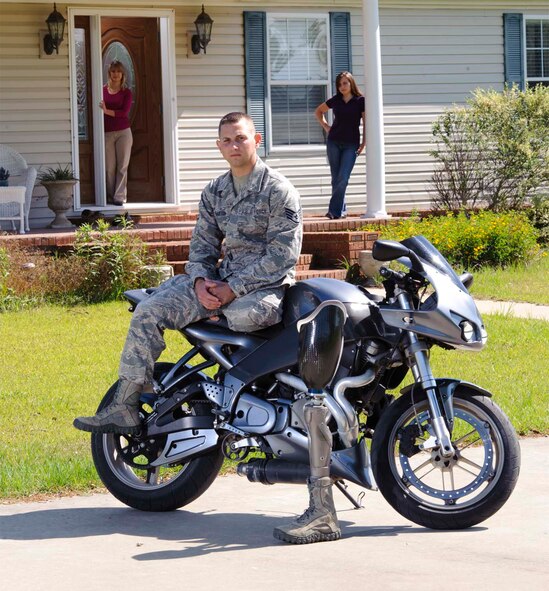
440, 321
437, 317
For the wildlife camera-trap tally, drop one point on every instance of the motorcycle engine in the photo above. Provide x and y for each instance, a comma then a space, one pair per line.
254, 415
369, 353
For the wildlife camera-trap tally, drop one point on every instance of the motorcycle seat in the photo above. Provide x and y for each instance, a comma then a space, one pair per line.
267, 333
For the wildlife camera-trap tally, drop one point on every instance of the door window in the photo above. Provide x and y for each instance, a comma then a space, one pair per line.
116, 51
81, 83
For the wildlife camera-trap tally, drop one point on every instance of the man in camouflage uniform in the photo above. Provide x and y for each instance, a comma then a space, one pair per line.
256, 212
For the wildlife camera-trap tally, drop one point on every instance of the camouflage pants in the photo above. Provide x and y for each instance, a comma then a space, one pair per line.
174, 305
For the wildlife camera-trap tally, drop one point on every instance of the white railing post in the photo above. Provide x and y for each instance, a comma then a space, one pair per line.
375, 142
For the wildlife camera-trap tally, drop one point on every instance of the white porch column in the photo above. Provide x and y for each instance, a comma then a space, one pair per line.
375, 142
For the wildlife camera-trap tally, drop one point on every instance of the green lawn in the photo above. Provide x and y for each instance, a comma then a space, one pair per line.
58, 362
518, 284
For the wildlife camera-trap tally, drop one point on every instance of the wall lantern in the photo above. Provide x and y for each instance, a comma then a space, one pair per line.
203, 24
56, 28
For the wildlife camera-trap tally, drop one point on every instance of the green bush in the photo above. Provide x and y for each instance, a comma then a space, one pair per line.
538, 215
114, 261
102, 265
473, 240
494, 151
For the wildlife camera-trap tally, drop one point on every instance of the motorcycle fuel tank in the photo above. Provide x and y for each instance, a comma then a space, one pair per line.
305, 296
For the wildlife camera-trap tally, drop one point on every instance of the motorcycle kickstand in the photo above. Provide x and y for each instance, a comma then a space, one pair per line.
341, 486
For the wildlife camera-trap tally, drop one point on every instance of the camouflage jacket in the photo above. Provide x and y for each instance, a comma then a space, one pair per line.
261, 229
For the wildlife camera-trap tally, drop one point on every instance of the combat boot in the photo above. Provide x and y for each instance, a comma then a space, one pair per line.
319, 522
120, 416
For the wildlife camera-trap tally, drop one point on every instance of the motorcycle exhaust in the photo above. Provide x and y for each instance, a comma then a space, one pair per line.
274, 471
352, 464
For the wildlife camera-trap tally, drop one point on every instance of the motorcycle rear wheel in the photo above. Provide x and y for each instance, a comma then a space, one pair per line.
446, 493
140, 486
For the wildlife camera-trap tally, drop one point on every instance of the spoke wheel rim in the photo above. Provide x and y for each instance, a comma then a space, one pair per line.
149, 478
129, 470
460, 481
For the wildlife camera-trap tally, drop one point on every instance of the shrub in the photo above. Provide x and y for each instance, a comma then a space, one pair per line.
468, 241
101, 267
495, 150
457, 177
114, 261
538, 215
31, 278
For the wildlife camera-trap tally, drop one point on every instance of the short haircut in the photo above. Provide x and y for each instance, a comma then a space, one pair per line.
234, 117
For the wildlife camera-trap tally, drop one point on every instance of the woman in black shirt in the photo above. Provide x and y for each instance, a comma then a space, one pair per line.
343, 145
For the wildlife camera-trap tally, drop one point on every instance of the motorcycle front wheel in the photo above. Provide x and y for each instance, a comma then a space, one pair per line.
123, 463
438, 492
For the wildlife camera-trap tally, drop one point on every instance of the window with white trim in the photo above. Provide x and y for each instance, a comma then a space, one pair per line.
298, 62
537, 51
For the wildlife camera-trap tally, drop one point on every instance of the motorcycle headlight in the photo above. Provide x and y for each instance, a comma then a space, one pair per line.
467, 331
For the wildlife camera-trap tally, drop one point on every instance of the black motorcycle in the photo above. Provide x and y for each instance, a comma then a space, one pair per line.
443, 454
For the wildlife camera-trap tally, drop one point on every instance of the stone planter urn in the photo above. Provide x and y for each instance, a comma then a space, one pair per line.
60, 200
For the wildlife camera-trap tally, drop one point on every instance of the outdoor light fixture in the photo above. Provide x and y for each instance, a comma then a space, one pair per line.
56, 28
203, 24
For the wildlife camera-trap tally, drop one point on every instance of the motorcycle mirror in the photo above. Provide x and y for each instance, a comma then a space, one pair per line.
389, 250
467, 279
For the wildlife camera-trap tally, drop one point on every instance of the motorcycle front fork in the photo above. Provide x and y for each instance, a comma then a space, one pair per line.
418, 359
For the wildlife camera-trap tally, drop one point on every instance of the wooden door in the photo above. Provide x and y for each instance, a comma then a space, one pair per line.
135, 42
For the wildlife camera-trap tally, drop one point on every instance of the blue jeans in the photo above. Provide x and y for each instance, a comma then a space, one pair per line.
342, 158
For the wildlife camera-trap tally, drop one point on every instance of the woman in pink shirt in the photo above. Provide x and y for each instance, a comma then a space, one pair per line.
116, 105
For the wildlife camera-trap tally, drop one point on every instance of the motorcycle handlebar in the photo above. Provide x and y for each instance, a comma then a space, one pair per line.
387, 273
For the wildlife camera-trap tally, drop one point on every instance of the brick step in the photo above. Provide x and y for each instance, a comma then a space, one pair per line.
164, 234
162, 218
331, 249
179, 268
310, 223
303, 264
174, 250
329, 273
342, 225
328, 243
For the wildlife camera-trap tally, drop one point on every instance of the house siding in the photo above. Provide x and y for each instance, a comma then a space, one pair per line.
426, 66
34, 97
431, 58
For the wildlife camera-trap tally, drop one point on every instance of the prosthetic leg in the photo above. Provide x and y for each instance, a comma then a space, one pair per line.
321, 343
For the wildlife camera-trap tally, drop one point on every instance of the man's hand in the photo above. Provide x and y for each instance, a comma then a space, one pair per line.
213, 294
220, 290
207, 299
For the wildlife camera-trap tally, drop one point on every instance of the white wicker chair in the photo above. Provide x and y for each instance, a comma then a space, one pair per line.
20, 175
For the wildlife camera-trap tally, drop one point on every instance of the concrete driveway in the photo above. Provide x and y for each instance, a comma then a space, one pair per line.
224, 541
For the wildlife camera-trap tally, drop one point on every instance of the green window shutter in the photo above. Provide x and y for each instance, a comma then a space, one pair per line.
255, 36
512, 41
340, 36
